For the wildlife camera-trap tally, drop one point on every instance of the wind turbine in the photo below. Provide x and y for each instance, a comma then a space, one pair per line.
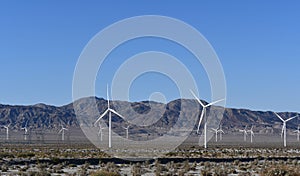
109, 111
298, 133
216, 132
62, 131
251, 134
245, 133
7, 131
283, 131
25, 131
100, 133
203, 114
221, 132
127, 131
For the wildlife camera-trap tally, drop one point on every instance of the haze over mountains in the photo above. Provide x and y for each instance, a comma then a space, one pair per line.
42, 116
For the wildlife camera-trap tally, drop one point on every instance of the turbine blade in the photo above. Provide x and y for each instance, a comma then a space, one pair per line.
279, 116
107, 96
197, 99
101, 116
214, 102
113, 111
290, 118
200, 120
60, 131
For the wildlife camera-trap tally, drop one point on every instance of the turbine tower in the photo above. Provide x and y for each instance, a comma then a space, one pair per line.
298, 133
100, 133
251, 134
108, 111
127, 131
7, 131
283, 131
244, 131
203, 114
62, 131
25, 131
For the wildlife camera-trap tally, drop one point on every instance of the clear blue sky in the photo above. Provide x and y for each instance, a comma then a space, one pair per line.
258, 44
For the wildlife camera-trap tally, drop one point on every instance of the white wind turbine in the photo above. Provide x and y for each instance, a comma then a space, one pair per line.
62, 131
251, 134
298, 133
221, 132
244, 131
100, 132
203, 114
283, 131
216, 132
127, 131
7, 131
25, 131
109, 111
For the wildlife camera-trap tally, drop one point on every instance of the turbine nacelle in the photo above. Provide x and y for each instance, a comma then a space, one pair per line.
25, 129
6, 126
62, 129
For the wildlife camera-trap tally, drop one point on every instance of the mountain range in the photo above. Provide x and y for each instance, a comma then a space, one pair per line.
42, 116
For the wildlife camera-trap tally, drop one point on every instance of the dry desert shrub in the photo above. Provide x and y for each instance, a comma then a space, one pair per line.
104, 173
281, 171
137, 169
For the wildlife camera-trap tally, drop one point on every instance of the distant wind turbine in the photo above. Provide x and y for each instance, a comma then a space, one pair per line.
221, 132
298, 133
203, 114
25, 131
7, 131
283, 131
127, 131
244, 131
100, 132
109, 111
251, 134
216, 132
62, 131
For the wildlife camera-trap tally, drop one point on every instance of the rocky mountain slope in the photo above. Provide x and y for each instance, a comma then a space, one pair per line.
41, 116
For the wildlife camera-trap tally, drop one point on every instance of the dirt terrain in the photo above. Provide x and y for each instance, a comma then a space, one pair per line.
77, 156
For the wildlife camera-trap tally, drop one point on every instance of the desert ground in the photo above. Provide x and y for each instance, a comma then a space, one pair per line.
47, 154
